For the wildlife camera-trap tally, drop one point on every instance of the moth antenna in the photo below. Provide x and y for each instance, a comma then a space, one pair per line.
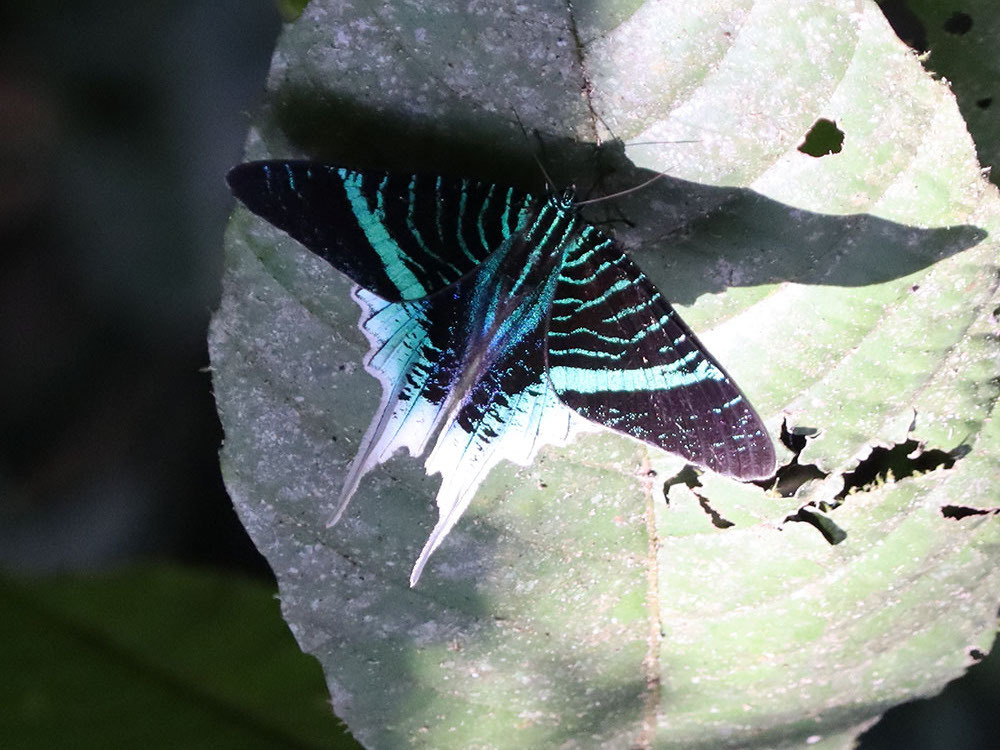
541, 167
641, 185
620, 193
660, 143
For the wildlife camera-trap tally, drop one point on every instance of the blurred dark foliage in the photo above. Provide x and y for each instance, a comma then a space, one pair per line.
963, 717
957, 44
117, 123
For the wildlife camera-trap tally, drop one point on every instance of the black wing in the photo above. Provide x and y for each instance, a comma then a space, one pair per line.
401, 236
619, 355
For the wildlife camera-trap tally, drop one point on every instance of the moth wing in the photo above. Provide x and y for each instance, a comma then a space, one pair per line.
620, 355
400, 236
508, 412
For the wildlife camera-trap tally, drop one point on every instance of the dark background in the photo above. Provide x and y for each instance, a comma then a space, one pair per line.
118, 121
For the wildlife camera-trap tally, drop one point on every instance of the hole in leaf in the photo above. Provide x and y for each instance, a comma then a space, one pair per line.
958, 512
823, 138
985, 102
958, 23
820, 520
717, 520
689, 478
793, 476
885, 465
976, 654
790, 477
686, 476
795, 441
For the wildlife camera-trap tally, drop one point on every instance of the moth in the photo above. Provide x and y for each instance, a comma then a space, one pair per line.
495, 319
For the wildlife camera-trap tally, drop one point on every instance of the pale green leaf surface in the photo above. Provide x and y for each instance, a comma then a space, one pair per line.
853, 296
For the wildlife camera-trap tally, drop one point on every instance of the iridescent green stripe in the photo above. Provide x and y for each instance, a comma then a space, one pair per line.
582, 258
600, 299
372, 223
635, 310
659, 378
564, 242
590, 279
729, 405
483, 209
411, 225
639, 336
462, 203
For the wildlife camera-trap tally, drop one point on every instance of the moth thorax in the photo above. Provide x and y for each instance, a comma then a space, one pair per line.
565, 199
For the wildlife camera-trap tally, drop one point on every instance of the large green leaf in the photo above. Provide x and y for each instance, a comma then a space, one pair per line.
853, 296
